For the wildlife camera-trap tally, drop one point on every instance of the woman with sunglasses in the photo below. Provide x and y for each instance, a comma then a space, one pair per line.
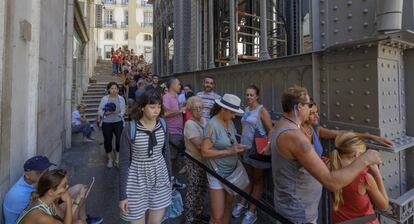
314, 132
52, 186
220, 151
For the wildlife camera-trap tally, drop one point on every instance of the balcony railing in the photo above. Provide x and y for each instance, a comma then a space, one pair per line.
124, 25
109, 2
144, 3
111, 25
146, 24
124, 2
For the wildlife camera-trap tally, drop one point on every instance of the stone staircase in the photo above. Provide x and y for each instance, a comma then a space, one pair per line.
97, 88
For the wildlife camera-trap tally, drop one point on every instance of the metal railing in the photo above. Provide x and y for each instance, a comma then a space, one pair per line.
111, 25
144, 3
109, 2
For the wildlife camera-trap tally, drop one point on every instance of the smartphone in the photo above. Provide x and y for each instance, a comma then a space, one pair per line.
90, 187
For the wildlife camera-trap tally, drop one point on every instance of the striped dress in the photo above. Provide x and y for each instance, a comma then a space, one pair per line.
148, 185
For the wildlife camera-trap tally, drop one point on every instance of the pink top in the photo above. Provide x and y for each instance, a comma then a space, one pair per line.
175, 123
355, 205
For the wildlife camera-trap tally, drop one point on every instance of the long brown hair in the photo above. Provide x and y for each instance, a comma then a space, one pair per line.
215, 110
49, 180
346, 144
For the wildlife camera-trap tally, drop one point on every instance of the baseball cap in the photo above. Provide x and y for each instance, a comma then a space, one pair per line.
37, 163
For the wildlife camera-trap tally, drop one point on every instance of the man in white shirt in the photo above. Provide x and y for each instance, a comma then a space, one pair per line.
208, 96
81, 124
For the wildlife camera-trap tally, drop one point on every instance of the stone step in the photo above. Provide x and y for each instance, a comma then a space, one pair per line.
98, 92
87, 101
88, 97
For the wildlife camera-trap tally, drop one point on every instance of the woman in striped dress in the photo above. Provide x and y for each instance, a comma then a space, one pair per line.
145, 164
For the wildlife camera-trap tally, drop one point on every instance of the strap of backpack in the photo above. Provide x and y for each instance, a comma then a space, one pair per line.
165, 128
132, 130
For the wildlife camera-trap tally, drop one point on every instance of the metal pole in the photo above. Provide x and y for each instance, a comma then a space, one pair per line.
198, 34
264, 54
211, 33
162, 48
167, 51
232, 56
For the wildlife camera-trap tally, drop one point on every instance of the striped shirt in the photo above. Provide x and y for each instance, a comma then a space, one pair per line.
208, 102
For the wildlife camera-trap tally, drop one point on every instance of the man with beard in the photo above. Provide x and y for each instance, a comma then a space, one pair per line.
208, 96
154, 87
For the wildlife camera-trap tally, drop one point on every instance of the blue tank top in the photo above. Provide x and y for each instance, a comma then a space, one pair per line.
316, 142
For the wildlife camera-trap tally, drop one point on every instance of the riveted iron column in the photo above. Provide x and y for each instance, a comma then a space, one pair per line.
233, 54
264, 53
211, 33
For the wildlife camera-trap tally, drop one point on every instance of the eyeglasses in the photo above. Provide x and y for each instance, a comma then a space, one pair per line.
230, 138
310, 104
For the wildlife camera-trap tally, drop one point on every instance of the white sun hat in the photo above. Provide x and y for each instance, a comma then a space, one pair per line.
230, 102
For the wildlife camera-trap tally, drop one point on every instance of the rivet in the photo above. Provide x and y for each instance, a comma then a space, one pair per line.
350, 15
365, 11
384, 121
337, 128
323, 45
323, 91
367, 120
336, 31
367, 106
367, 92
351, 79
366, 66
389, 107
337, 104
322, 22
351, 118
323, 34
349, 3
366, 79
322, 11
336, 19
365, 51
366, 24
351, 92
349, 28
390, 120
395, 106
338, 115
384, 107
351, 66
335, 7
403, 117
324, 102
351, 105
337, 91
323, 80
324, 114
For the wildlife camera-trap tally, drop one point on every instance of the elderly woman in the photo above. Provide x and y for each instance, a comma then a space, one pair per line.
197, 179
220, 150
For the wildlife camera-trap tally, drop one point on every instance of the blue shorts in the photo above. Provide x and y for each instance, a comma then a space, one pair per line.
115, 68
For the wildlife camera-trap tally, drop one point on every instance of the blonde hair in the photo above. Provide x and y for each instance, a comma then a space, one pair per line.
346, 143
192, 101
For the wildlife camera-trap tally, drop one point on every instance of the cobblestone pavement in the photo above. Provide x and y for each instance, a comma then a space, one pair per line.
83, 161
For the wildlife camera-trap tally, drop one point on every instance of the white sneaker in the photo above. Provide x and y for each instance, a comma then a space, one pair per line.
109, 164
249, 218
238, 210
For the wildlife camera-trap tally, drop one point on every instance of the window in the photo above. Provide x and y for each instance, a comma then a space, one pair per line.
126, 17
110, 1
124, 2
109, 17
148, 18
108, 35
126, 35
107, 50
147, 37
144, 3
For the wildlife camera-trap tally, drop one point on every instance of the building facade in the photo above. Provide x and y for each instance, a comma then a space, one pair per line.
44, 62
140, 28
113, 29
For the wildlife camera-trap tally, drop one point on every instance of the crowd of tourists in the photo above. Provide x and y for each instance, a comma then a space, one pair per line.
155, 125
168, 123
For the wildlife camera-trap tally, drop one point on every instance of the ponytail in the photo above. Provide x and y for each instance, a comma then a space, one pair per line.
34, 196
335, 164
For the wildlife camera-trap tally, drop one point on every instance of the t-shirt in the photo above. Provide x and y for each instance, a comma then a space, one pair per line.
115, 59
221, 141
193, 129
138, 93
208, 102
175, 123
16, 200
151, 88
76, 118
131, 92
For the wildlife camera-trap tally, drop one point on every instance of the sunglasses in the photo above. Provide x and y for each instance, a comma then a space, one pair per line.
230, 138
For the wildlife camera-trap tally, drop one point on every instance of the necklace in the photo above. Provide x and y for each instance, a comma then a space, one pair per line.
287, 118
308, 131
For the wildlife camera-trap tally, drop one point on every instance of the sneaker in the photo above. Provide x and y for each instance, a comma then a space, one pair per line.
109, 164
238, 210
178, 185
94, 220
116, 164
249, 218
91, 137
87, 140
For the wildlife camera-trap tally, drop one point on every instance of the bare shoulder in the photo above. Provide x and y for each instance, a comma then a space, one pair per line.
38, 216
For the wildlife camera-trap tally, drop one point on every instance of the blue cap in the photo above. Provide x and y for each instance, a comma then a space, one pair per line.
37, 163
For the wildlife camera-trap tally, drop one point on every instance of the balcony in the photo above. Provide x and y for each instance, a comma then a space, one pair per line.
110, 25
124, 24
109, 2
143, 25
145, 4
124, 2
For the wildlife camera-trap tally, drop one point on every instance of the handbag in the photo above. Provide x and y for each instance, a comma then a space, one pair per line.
256, 148
238, 177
